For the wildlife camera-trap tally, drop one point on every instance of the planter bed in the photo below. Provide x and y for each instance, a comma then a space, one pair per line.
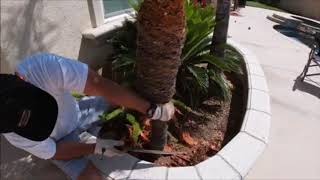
233, 161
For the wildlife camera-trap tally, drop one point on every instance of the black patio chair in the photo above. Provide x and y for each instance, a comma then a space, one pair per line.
314, 58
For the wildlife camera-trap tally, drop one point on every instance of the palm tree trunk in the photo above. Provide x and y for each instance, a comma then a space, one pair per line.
235, 4
161, 35
221, 29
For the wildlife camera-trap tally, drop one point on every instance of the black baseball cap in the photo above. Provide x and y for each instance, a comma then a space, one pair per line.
26, 109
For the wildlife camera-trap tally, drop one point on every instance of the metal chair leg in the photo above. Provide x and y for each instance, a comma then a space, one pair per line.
306, 67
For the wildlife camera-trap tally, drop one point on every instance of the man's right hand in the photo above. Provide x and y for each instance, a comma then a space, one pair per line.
107, 148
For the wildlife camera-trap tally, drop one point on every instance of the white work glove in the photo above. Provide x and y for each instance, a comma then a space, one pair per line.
106, 147
164, 112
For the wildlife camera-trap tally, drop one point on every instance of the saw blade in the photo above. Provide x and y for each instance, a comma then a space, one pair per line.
147, 151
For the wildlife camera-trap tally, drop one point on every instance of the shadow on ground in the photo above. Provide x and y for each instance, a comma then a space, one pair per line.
302, 37
19, 165
308, 85
308, 21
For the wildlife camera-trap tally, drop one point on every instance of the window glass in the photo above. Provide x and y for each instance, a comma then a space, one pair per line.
115, 7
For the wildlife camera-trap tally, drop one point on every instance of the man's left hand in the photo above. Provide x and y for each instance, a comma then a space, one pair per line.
164, 112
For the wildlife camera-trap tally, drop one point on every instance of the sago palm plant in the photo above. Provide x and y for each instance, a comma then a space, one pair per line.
198, 69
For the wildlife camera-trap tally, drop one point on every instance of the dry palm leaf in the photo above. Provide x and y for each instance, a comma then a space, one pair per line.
186, 138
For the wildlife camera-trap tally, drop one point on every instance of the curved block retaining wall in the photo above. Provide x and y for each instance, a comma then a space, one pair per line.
233, 161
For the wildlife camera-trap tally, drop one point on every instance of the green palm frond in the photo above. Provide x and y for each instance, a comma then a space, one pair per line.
109, 116
222, 83
135, 127
121, 114
181, 105
201, 76
135, 4
192, 50
200, 24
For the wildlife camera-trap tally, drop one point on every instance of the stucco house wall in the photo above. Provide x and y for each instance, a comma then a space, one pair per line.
308, 8
55, 26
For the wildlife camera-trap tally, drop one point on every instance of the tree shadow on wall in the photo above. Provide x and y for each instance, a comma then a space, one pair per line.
96, 53
25, 31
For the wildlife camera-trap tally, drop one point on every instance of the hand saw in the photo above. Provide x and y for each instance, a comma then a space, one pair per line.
147, 151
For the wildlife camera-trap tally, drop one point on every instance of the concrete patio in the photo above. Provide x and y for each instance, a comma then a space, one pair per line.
295, 127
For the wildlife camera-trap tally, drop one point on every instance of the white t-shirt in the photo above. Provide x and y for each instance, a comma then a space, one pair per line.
58, 76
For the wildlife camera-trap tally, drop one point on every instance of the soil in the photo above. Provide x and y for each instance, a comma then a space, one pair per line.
206, 128
195, 135
210, 128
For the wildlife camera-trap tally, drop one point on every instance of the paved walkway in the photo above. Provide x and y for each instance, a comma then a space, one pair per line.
19, 165
293, 151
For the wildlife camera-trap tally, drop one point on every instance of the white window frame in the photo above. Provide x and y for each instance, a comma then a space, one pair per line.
96, 11
100, 24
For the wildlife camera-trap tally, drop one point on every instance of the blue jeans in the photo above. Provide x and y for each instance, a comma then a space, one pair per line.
90, 109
